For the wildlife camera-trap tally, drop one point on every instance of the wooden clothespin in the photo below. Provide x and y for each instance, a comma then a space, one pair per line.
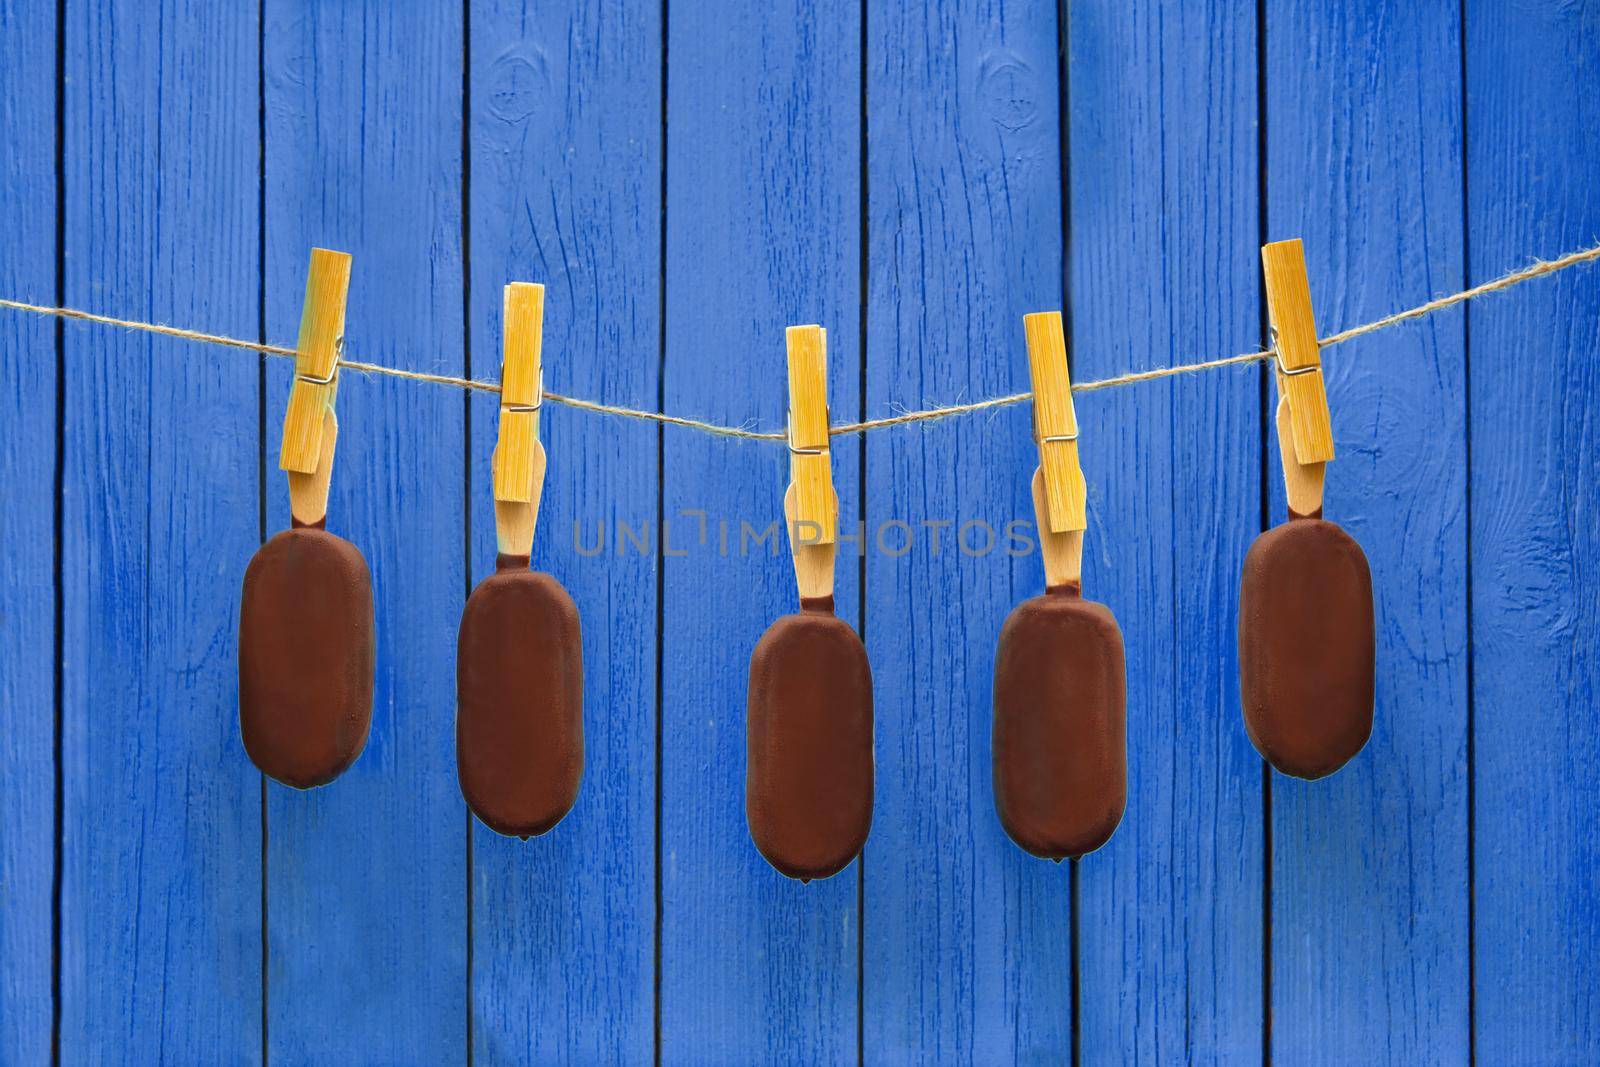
1305, 432
519, 459
1059, 492
310, 428
811, 506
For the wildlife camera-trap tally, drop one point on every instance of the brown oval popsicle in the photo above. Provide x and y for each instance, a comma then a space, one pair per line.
1059, 742
305, 617
305, 656
519, 661
519, 714
1060, 722
1306, 647
808, 754
1305, 601
808, 782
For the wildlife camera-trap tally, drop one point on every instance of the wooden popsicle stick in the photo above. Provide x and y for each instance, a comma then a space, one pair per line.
308, 493
1302, 482
513, 528
1062, 551
813, 563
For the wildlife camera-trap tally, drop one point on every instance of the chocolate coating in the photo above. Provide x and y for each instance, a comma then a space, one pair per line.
305, 656
1306, 647
519, 701
1060, 747
808, 774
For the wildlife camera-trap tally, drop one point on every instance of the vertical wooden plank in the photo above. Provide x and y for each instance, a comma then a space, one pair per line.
1369, 879
161, 840
27, 529
1164, 221
366, 900
566, 177
1533, 137
763, 188
967, 948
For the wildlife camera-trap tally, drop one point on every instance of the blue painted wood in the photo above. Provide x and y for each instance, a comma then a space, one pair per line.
763, 187
1533, 137
161, 835
967, 951
965, 946
566, 177
1164, 228
366, 894
1369, 879
27, 529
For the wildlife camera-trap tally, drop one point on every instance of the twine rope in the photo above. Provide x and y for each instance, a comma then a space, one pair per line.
1538, 269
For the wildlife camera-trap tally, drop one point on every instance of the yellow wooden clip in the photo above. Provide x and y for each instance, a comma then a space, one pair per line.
519, 458
1305, 430
310, 428
810, 504
1060, 496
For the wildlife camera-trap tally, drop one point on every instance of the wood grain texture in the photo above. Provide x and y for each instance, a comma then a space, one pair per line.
308, 493
316, 384
519, 459
27, 530
1302, 482
380, 888
763, 231
1164, 269
1369, 879
1533, 137
967, 952
1055, 422
810, 464
566, 164
366, 901
1061, 553
814, 563
1299, 359
161, 835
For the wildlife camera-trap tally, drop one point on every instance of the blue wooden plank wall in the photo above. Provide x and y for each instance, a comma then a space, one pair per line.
366, 903
1164, 269
762, 200
1534, 535
574, 915
687, 179
28, 413
161, 826
1379, 955
967, 951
